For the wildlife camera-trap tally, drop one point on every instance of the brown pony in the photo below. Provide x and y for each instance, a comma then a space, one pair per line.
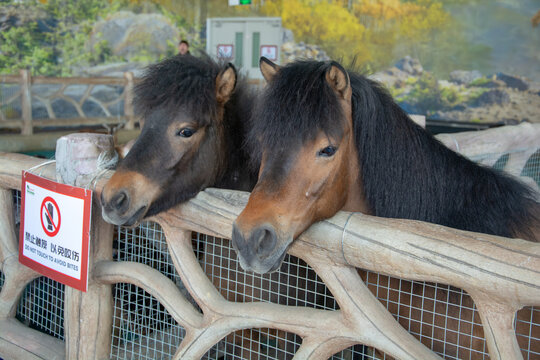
334, 140
194, 113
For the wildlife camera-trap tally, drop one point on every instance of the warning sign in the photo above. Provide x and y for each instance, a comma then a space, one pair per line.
269, 51
225, 51
55, 224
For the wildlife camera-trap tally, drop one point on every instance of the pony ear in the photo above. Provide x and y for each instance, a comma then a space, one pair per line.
268, 68
338, 79
225, 84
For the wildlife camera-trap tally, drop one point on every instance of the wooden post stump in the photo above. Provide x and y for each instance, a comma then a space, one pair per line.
77, 157
88, 316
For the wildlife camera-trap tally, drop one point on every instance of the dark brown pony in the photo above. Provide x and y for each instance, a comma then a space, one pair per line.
194, 113
332, 140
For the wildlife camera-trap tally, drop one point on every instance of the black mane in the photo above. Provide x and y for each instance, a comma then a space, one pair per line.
179, 81
406, 172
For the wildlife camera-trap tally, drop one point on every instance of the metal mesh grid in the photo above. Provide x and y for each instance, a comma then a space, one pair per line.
8, 92
42, 307
294, 284
442, 317
530, 169
142, 328
42, 304
528, 332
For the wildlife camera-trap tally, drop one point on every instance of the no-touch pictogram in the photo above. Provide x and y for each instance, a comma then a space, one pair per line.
50, 216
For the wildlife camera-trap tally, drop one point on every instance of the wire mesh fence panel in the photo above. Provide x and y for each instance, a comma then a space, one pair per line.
527, 325
442, 317
532, 167
294, 284
10, 102
521, 162
142, 328
42, 307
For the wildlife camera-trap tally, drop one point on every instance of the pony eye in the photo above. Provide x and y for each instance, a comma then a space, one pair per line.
185, 132
327, 151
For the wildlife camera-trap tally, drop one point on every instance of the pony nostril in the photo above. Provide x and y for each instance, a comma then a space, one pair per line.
266, 242
120, 201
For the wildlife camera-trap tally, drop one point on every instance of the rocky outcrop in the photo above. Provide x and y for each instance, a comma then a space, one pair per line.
464, 77
492, 97
291, 51
128, 34
18, 15
410, 66
466, 96
514, 82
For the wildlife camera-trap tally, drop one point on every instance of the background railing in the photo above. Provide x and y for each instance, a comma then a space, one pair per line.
172, 287
83, 95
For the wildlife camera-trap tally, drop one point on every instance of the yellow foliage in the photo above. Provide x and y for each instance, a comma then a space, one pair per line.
326, 23
396, 27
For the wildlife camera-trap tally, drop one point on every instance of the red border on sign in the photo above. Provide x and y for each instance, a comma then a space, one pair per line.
57, 227
76, 192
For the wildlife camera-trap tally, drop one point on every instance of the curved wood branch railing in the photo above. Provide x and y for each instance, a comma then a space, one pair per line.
501, 275
26, 123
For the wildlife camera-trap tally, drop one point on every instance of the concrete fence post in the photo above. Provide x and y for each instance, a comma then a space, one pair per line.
88, 315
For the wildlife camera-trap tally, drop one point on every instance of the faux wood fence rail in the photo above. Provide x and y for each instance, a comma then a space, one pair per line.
501, 275
26, 96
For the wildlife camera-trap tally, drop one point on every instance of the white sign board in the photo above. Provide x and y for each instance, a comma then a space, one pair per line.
225, 51
269, 51
55, 224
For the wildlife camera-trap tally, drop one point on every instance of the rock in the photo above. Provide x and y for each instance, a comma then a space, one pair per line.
514, 82
464, 77
392, 77
18, 15
129, 34
492, 97
291, 51
492, 84
410, 66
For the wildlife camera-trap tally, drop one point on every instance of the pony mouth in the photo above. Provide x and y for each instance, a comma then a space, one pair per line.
263, 266
136, 217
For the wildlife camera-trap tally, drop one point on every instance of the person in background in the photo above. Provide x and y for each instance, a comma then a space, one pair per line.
183, 47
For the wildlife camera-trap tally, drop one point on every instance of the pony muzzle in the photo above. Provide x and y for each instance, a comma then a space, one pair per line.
260, 251
119, 209
126, 198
